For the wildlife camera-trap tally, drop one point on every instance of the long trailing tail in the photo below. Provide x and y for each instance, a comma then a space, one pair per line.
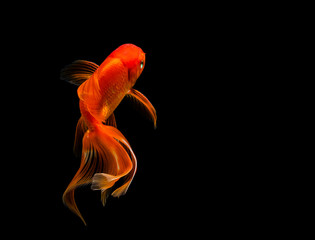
106, 158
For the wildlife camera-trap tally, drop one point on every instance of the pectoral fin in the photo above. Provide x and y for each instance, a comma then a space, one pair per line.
143, 101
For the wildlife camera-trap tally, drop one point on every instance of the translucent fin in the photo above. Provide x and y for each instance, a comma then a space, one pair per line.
79, 133
128, 179
103, 181
103, 151
83, 175
143, 101
111, 121
104, 195
78, 71
68, 200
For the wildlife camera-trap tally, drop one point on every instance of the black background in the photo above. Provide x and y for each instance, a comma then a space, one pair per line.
185, 182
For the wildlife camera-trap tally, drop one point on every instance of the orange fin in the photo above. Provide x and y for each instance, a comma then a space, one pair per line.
103, 181
111, 121
68, 200
83, 176
78, 71
140, 98
127, 170
103, 151
79, 133
104, 195
128, 179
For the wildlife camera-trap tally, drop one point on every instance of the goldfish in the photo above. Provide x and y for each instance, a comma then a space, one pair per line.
106, 155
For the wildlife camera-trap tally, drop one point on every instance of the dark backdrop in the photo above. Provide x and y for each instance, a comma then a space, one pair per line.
183, 183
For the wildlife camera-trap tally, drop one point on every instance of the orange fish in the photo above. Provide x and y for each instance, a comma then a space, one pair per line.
106, 154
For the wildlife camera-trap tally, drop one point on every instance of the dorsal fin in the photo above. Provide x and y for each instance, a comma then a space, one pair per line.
78, 71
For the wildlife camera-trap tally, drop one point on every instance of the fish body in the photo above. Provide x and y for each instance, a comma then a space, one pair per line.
105, 89
106, 155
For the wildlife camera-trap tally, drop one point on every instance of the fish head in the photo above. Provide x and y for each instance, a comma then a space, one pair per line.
133, 58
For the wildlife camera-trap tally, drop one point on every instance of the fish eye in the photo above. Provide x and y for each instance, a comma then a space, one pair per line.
141, 64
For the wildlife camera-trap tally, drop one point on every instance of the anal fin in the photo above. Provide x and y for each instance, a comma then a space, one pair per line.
111, 121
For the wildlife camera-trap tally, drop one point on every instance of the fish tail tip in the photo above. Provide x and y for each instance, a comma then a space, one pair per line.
84, 222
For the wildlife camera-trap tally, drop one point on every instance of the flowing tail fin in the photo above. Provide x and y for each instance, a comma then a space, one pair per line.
106, 158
